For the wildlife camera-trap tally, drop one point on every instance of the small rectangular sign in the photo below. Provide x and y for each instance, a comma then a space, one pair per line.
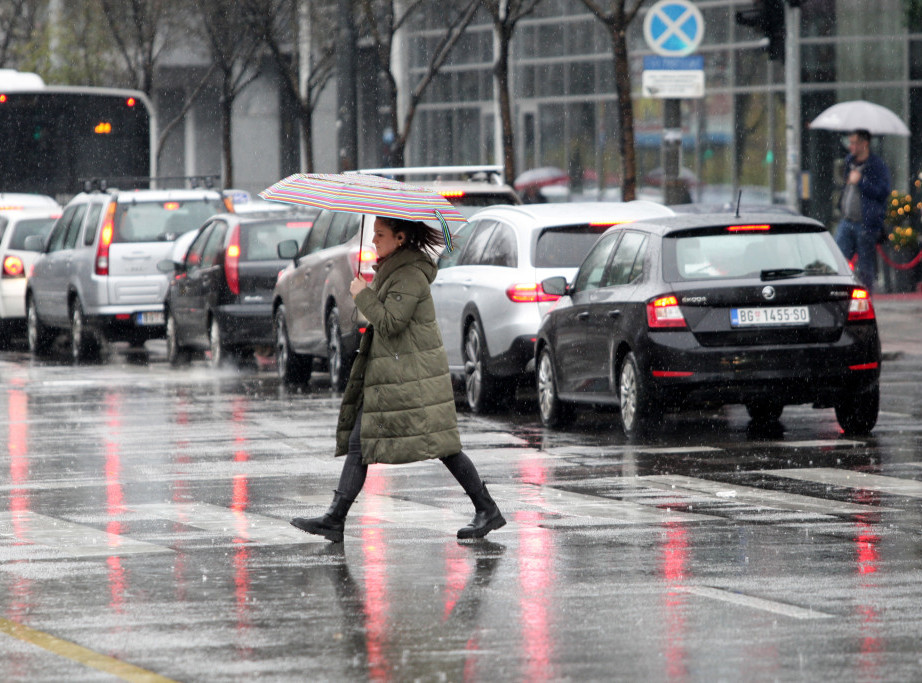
679, 84
657, 63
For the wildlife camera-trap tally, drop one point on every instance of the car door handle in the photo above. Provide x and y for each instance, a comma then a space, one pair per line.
584, 315
616, 313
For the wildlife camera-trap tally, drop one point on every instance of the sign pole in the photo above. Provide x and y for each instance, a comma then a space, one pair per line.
672, 152
792, 105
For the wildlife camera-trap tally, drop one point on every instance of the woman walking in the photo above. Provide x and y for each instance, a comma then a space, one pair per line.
398, 405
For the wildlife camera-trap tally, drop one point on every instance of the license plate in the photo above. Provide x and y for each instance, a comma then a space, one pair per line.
149, 318
780, 315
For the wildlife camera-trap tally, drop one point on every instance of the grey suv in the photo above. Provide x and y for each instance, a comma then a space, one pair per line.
314, 314
97, 275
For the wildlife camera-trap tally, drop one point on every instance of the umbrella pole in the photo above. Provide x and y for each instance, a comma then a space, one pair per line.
358, 261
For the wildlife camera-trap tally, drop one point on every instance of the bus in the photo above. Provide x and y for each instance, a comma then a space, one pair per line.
54, 139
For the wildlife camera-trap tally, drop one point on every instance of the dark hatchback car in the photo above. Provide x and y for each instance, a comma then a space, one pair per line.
220, 294
700, 311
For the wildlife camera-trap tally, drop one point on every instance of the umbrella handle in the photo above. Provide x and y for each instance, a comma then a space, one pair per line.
358, 261
445, 232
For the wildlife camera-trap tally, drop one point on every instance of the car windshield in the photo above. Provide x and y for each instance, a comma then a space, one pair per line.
565, 246
259, 241
27, 228
746, 254
162, 221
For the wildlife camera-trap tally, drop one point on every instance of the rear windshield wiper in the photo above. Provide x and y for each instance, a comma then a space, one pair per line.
781, 273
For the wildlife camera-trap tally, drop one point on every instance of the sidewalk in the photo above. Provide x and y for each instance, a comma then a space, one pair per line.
899, 322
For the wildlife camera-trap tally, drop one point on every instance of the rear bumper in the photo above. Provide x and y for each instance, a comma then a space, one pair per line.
123, 323
12, 298
247, 324
687, 375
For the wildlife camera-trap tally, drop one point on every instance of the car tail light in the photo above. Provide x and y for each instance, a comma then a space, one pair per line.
665, 312
232, 261
860, 306
529, 293
105, 240
13, 267
361, 261
748, 228
452, 194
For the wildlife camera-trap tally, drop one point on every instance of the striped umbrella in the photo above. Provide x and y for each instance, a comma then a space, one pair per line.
360, 193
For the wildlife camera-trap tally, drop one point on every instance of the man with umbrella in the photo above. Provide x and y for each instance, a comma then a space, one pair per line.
863, 205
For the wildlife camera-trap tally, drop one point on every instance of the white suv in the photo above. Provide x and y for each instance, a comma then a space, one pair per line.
97, 275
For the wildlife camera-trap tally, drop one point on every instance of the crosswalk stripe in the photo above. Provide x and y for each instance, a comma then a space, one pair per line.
855, 480
247, 527
755, 603
36, 536
782, 500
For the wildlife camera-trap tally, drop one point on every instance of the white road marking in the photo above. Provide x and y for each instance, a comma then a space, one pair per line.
755, 603
749, 495
831, 476
28, 535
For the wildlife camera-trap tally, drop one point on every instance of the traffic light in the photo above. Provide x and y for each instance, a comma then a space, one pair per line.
768, 17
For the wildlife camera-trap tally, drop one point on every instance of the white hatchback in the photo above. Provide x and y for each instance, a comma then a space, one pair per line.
15, 226
487, 295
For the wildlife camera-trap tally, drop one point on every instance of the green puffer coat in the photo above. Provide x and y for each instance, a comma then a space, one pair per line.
400, 374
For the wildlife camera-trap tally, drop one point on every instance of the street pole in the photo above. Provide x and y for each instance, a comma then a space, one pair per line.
672, 151
792, 104
347, 131
304, 67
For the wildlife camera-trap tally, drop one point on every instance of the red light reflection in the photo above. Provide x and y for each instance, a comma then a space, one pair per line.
115, 499
675, 559
536, 578
377, 602
240, 501
868, 565
18, 449
457, 573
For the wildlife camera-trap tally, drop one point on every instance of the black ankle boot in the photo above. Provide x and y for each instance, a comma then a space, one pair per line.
331, 524
487, 517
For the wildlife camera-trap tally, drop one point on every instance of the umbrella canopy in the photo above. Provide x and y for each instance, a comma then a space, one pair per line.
860, 114
541, 177
360, 193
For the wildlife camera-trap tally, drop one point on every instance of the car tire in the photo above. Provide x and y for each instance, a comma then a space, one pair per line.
639, 412
176, 353
481, 389
764, 410
554, 413
83, 345
292, 367
337, 363
857, 414
39, 336
220, 352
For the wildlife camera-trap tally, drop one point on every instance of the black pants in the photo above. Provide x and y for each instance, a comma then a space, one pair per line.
352, 478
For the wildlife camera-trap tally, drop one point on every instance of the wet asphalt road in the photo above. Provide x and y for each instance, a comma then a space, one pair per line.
144, 536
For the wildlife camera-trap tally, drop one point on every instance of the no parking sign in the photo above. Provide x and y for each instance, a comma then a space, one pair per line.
673, 29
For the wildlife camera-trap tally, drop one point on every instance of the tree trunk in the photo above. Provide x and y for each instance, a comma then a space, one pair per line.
625, 117
227, 106
501, 72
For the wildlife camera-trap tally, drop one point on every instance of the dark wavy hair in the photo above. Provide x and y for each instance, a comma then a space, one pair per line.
417, 235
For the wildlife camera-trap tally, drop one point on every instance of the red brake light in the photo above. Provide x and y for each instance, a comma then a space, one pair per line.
362, 261
105, 239
529, 293
171, 206
2, 99
860, 306
232, 261
451, 193
130, 101
665, 312
13, 267
747, 228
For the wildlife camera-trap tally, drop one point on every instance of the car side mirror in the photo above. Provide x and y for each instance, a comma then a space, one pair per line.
288, 249
34, 243
556, 285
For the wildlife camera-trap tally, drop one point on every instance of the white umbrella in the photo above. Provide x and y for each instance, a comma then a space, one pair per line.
860, 114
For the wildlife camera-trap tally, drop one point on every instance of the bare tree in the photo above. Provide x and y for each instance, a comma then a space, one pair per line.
383, 22
616, 18
278, 24
19, 20
506, 15
234, 49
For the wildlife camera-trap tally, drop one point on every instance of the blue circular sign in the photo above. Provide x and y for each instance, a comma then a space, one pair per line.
673, 28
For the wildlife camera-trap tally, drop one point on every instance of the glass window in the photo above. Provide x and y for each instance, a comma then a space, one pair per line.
459, 240
318, 233
197, 248
70, 241
149, 221
27, 228
343, 227
502, 248
593, 268
477, 243
56, 243
259, 241
627, 263
215, 245
565, 246
92, 224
